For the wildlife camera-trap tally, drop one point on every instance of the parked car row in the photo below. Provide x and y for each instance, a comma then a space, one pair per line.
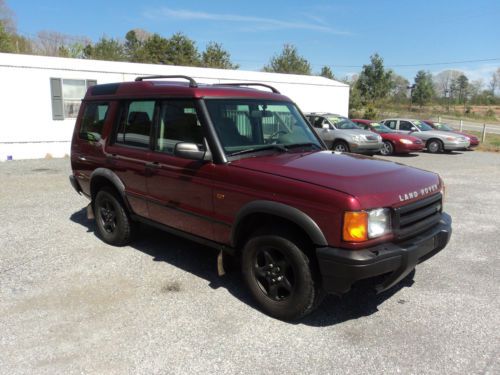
392, 136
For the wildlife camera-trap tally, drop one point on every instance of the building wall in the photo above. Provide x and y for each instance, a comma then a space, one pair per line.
27, 129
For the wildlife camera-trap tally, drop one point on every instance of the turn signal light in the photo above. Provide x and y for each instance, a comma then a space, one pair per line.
355, 226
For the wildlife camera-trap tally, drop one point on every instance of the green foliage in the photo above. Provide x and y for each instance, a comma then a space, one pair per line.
105, 49
327, 72
156, 50
289, 61
6, 44
424, 88
374, 82
182, 51
370, 112
134, 47
399, 89
215, 56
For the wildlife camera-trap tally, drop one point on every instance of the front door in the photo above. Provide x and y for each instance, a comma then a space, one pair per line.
180, 190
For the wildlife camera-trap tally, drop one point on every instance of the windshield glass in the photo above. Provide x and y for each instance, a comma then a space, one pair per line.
342, 122
379, 128
252, 125
422, 126
441, 126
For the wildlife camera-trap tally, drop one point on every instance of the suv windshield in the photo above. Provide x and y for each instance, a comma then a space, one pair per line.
251, 125
422, 126
342, 122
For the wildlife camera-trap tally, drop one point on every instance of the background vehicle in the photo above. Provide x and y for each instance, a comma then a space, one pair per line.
435, 141
474, 141
341, 134
394, 142
242, 170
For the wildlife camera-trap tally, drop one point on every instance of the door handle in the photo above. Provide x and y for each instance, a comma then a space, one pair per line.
82, 158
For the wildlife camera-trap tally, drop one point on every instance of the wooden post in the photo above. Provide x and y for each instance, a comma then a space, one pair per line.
483, 136
461, 125
439, 118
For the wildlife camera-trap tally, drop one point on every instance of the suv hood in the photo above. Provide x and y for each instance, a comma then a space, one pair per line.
374, 182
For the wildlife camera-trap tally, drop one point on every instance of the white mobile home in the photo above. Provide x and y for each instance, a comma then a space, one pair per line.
40, 96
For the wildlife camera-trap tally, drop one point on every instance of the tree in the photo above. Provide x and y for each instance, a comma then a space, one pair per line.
7, 18
215, 56
289, 61
495, 81
374, 82
182, 51
105, 49
156, 50
444, 82
134, 48
399, 88
5, 40
327, 72
424, 88
462, 84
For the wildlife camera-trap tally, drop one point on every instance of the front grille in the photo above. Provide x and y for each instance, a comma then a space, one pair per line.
417, 217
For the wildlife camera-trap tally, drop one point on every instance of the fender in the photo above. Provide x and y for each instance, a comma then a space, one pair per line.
115, 181
281, 210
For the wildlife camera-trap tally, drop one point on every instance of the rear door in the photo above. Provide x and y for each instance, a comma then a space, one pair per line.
130, 150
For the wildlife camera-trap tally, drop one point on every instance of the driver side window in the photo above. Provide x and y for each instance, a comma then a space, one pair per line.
405, 126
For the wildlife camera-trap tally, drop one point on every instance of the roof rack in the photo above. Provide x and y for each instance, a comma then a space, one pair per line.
249, 84
192, 82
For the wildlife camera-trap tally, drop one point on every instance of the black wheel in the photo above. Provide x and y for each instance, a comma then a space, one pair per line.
387, 148
434, 146
113, 223
340, 146
280, 277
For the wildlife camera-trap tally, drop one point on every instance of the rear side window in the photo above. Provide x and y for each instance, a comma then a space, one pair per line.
390, 123
135, 124
93, 120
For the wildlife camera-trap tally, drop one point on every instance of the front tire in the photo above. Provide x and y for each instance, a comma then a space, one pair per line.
387, 149
434, 146
113, 222
279, 276
340, 146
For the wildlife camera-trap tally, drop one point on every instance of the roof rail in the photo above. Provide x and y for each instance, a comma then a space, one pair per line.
192, 82
249, 84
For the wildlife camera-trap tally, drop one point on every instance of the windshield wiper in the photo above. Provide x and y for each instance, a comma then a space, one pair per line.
305, 144
263, 148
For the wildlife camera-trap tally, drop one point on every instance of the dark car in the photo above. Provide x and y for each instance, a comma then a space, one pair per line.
241, 170
394, 142
474, 141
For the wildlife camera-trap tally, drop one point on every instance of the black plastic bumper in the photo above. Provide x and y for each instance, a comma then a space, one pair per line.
75, 184
340, 268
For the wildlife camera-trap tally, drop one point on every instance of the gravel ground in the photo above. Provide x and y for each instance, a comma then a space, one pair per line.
71, 304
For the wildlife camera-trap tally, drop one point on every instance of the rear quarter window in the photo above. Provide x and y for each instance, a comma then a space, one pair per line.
94, 117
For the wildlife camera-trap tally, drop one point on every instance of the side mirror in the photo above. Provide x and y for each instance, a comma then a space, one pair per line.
413, 129
325, 126
188, 151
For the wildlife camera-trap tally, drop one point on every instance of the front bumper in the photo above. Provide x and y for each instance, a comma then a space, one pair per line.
340, 268
402, 148
368, 148
456, 146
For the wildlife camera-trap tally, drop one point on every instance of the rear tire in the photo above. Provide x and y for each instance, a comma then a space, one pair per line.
387, 149
113, 222
434, 146
340, 146
280, 276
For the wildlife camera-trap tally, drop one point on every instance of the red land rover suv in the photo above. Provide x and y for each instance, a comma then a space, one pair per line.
240, 169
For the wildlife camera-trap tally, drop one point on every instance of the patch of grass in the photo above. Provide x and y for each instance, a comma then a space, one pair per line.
492, 142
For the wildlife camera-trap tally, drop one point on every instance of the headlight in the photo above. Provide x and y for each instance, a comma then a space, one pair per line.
405, 141
360, 226
357, 138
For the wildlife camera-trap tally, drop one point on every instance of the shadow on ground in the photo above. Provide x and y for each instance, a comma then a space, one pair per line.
201, 261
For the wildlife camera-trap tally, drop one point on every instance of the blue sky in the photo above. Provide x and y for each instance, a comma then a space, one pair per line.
341, 34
